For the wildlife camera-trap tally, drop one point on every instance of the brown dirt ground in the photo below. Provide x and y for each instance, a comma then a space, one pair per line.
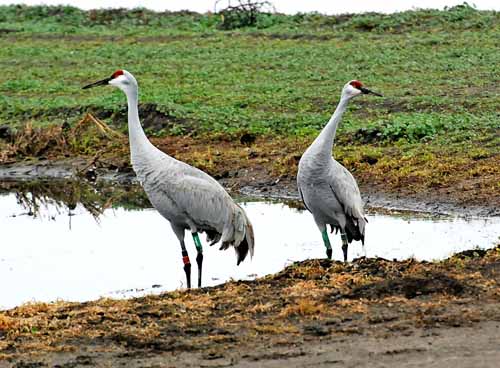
371, 312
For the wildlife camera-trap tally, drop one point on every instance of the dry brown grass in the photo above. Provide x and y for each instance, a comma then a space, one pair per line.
8, 323
262, 308
350, 298
88, 137
303, 307
275, 329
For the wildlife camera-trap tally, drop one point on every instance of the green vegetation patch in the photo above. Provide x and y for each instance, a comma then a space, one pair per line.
282, 76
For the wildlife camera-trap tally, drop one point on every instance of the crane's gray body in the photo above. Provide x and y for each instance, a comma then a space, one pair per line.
190, 199
327, 188
331, 194
186, 196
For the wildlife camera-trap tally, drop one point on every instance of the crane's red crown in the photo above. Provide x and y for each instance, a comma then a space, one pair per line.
356, 84
117, 73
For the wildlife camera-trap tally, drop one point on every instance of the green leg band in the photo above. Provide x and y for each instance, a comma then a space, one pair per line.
197, 243
324, 233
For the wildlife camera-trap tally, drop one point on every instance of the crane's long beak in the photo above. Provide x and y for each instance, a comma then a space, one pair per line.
366, 91
98, 83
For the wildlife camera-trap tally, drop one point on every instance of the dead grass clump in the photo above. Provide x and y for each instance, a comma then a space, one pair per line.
8, 323
200, 303
346, 281
309, 288
36, 142
304, 307
261, 308
86, 137
317, 270
28, 310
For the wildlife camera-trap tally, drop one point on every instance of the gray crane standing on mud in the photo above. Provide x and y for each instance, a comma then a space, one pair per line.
186, 196
327, 188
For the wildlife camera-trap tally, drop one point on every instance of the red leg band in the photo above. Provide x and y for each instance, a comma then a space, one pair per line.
185, 259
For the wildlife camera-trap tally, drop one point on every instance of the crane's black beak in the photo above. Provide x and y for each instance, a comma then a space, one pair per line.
98, 83
367, 91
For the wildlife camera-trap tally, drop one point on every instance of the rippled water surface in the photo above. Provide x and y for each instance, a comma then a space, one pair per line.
68, 254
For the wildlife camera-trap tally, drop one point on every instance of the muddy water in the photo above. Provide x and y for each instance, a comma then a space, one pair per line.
68, 254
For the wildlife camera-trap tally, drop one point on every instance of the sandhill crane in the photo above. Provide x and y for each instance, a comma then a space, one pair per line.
327, 188
186, 196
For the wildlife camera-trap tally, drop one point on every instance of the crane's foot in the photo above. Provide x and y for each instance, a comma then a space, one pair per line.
199, 261
187, 268
329, 253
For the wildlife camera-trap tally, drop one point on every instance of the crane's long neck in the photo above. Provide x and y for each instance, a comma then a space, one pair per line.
324, 142
137, 138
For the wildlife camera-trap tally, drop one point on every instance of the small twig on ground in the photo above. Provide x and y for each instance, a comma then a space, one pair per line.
93, 161
102, 126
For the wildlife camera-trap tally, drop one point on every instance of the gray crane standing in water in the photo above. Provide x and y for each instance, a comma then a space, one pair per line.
327, 188
186, 196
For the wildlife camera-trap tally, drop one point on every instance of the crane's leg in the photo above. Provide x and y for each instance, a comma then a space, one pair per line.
187, 264
326, 241
345, 244
179, 232
199, 256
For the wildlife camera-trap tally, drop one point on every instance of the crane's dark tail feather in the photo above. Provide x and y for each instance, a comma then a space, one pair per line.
354, 230
244, 230
241, 251
334, 227
212, 236
246, 244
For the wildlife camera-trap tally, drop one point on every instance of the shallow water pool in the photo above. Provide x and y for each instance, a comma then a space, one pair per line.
69, 255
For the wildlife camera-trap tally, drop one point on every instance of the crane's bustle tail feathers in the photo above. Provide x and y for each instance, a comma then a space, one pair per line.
246, 245
244, 237
355, 229
238, 233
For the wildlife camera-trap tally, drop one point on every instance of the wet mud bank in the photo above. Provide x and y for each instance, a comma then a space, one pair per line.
256, 182
370, 312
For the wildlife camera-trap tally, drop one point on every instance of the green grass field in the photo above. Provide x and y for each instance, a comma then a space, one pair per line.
437, 125
438, 70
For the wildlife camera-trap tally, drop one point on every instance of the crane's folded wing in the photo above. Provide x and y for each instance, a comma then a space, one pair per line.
346, 191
